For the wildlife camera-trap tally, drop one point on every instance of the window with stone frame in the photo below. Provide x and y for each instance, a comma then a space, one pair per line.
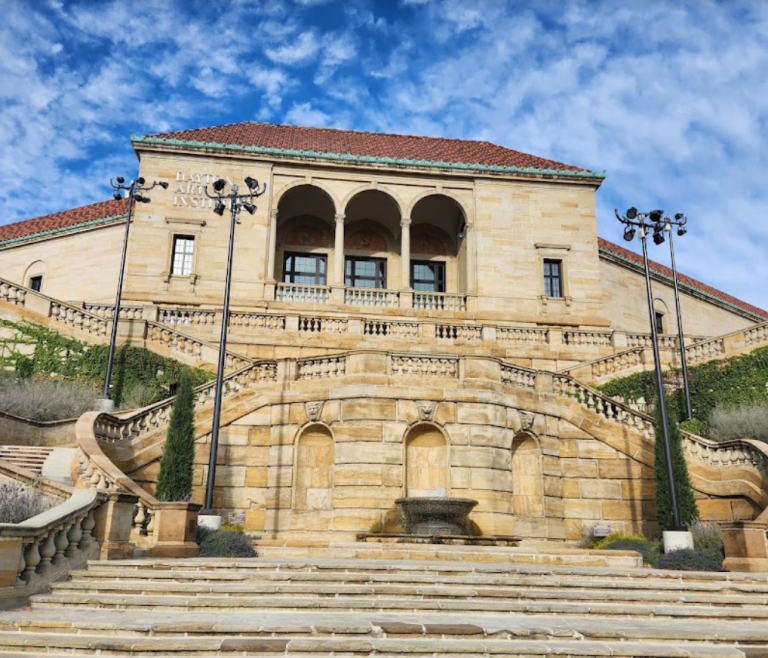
428, 276
183, 253
36, 283
553, 277
365, 272
305, 268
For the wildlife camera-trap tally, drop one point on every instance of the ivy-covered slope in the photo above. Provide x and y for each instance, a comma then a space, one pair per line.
738, 381
33, 350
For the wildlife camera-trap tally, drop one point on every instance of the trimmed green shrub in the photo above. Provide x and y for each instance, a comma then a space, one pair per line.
599, 543
686, 502
687, 559
224, 543
708, 538
174, 483
648, 549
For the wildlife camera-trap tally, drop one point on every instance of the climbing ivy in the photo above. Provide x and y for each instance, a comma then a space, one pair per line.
737, 381
33, 350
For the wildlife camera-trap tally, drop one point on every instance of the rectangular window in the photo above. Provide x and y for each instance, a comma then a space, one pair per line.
428, 276
365, 272
659, 319
183, 250
305, 268
36, 283
553, 277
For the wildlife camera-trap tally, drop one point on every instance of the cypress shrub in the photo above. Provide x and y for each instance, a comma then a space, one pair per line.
689, 513
175, 480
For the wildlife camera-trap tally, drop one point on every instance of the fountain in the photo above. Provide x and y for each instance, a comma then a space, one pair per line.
435, 515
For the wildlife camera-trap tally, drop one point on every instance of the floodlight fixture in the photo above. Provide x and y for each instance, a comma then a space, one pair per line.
629, 233
163, 184
679, 216
117, 196
682, 231
218, 185
120, 180
252, 183
249, 207
140, 180
658, 236
656, 216
631, 213
219, 208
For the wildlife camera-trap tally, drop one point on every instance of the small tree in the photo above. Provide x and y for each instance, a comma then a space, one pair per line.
689, 513
175, 480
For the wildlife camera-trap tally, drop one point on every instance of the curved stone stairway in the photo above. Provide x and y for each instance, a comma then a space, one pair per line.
440, 607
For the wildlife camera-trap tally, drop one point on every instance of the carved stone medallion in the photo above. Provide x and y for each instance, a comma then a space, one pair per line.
526, 420
425, 409
314, 410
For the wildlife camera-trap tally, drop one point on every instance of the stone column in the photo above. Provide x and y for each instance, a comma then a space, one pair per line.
338, 252
272, 242
471, 239
405, 253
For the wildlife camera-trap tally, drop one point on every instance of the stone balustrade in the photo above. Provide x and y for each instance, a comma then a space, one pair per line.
439, 301
514, 375
36, 550
589, 338
391, 329
110, 428
185, 345
736, 452
249, 320
186, 316
300, 293
107, 311
461, 332
13, 293
516, 335
321, 367
409, 365
314, 325
78, 319
371, 297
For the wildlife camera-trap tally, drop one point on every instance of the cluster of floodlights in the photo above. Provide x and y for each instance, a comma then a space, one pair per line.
135, 189
220, 184
659, 223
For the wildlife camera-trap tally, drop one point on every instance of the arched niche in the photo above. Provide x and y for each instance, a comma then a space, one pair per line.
426, 462
527, 476
313, 480
34, 275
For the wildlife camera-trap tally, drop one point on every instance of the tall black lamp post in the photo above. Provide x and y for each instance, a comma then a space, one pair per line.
136, 191
680, 220
642, 224
237, 202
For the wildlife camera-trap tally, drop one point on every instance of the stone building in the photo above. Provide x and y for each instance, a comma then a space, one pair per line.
420, 307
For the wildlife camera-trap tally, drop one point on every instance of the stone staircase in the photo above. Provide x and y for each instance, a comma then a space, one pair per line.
440, 607
31, 458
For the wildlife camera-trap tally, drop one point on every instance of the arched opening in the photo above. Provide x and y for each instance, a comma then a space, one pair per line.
304, 245
438, 259
313, 482
426, 462
34, 275
372, 219
527, 477
661, 317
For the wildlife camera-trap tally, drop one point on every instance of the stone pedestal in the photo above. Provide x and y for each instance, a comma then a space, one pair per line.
175, 530
114, 520
745, 546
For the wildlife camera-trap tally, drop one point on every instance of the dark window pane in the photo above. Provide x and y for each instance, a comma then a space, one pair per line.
428, 276
363, 272
36, 283
304, 268
553, 278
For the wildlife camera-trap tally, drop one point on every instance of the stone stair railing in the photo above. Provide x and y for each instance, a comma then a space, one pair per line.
734, 452
186, 345
33, 551
111, 428
107, 311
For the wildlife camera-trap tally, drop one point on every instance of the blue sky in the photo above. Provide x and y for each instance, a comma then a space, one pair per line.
669, 97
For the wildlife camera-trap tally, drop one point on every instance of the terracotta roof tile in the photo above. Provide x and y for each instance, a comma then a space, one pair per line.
365, 144
683, 280
93, 212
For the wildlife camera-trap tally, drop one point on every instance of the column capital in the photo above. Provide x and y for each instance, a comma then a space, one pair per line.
273, 213
339, 217
405, 221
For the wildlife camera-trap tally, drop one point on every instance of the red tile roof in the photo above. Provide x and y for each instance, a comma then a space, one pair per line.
354, 143
57, 221
683, 280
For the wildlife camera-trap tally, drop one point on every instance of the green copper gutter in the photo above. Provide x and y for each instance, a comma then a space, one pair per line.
348, 157
684, 285
61, 229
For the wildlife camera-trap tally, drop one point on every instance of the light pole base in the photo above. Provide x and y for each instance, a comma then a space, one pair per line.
209, 521
675, 540
104, 404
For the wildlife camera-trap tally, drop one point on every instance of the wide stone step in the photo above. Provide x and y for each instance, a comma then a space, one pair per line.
27, 644
171, 602
449, 592
393, 626
517, 579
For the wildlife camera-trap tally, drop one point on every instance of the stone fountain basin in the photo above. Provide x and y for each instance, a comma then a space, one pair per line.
435, 516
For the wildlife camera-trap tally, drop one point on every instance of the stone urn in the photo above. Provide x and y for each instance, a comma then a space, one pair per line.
435, 516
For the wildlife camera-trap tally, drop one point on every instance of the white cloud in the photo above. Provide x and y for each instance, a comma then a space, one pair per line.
303, 114
300, 51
